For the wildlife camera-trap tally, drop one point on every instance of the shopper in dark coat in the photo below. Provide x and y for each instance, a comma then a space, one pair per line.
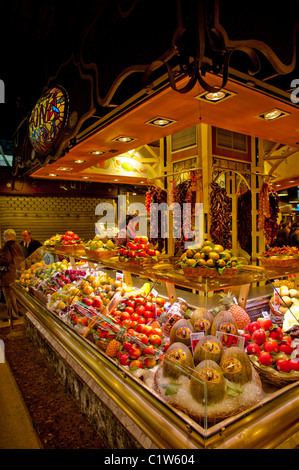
28, 244
294, 236
11, 255
282, 237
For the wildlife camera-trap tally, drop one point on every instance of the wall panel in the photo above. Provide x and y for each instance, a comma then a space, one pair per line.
46, 216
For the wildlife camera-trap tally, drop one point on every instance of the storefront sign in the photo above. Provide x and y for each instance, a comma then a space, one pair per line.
47, 120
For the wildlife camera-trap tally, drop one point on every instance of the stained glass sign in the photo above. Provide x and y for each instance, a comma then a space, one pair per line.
47, 120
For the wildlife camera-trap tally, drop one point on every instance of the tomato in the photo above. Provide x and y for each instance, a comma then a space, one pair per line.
155, 339
148, 314
136, 363
286, 348
265, 323
135, 352
251, 327
131, 303
271, 346
125, 315
127, 345
140, 309
126, 323
283, 365
129, 310
132, 254
139, 300
134, 317
259, 336
149, 306
149, 350
87, 301
143, 338
157, 331
142, 254
124, 359
149, 362
151, 252
69, 233
265, 359
253, 348
147, 330
141, 320
97, 302
247, 338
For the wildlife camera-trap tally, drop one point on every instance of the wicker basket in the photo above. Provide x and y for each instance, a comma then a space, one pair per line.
69, 248
139, 262
100, 254
285, 261
210, 272
273, 377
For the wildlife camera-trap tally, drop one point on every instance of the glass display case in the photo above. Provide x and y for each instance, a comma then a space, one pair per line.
183, 357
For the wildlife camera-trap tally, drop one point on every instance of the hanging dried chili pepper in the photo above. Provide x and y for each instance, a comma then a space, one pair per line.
220, 212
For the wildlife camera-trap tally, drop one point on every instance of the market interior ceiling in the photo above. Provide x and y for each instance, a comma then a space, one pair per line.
39, 31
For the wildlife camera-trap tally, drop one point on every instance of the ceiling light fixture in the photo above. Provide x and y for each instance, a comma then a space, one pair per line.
96, 152
52, 174
272, 115
215, 97
124, 139
161, 121
85, 177
79, 161
64, 168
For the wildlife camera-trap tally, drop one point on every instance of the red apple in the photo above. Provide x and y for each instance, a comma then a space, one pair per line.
265, 323
253, 348
294, 364
124, 359
286, 348
135, 352
143, 338
259, 336
155, 339
157, 331
271, 346
149, 350
251, 327
149, 362
136, 363
247, 337
276, 333
265, 359
283, 365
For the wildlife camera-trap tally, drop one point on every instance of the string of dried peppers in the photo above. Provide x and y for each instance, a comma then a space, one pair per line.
220, 212
244, 221
268, 212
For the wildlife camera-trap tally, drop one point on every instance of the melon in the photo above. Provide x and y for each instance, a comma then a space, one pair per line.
181, 331
202, 320
178, 360
224, 322
236, 365
207, 384
208, 347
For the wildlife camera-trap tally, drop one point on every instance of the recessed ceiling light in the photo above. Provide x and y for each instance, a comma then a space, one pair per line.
272, 114
52, 174
292, 181
115, 180
161, 121
215, 97
123, 138
64, 168
79, 161
96, 152
85, 177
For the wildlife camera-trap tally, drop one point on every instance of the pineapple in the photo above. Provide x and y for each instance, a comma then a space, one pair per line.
239, 314
113, 348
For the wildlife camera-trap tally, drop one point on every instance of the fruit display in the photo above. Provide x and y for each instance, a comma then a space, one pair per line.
274, 353
139, 250
65, 242
285, 302
209, 260
202, 320
280, 256
97, 249
219, 382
